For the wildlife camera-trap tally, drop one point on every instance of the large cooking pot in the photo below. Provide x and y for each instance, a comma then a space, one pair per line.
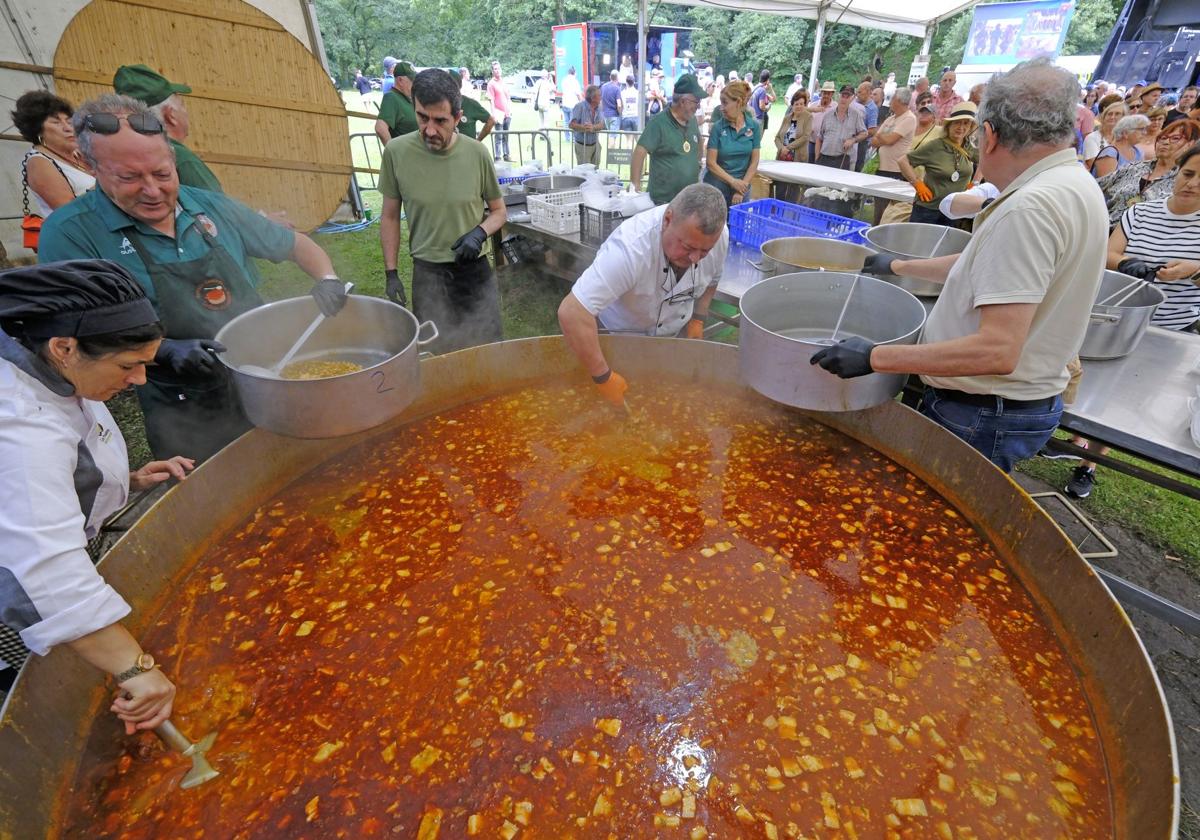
1115, 328
543, 184
44, 724
916, 241
805, 253
786, 319
382, 336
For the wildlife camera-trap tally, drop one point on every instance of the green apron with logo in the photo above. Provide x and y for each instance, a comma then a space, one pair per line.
194, 415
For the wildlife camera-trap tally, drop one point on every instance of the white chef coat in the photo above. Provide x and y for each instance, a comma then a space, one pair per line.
631, 286
63, 471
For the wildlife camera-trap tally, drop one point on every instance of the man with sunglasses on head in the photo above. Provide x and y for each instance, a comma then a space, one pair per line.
447, 186
190, 250
655, 275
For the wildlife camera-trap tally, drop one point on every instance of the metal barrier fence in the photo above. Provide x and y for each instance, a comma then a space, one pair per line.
368, 164
616, 151
511, 146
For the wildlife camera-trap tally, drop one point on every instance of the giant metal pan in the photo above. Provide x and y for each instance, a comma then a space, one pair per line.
56, 699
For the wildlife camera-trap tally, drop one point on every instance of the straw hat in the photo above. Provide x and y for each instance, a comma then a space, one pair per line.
962, 111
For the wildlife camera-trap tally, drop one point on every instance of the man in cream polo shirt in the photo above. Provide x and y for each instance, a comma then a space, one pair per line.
1016, 303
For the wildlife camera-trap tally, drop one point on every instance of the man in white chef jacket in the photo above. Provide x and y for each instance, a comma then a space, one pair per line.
655, 275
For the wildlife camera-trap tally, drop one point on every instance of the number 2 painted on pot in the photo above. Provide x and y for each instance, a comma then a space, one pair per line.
379, 377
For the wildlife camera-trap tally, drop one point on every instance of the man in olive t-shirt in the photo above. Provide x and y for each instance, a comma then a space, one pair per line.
672, 140
445, 182
396, 114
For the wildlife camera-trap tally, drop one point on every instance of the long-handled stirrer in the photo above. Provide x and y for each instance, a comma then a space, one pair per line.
201, 770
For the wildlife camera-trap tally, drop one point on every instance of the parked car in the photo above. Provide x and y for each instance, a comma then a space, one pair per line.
376, 83
522, 84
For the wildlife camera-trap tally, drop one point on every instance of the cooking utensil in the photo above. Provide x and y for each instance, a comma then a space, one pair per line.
917, 241
382, 336
790, 254
1114, 329
201, 770
544, 184
786, 319
43, 730
287, 357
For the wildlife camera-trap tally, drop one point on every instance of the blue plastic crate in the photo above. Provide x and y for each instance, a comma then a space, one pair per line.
754, 222
520, 179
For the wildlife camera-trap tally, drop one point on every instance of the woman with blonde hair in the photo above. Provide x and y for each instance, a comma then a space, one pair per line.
1101, 136
733, 145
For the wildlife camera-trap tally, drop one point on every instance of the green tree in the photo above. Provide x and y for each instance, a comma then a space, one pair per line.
1091, 26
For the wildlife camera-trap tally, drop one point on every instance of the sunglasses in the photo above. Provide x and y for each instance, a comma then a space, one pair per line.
111, 123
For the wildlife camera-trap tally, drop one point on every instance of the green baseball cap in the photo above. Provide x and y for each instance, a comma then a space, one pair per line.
687, 84
140, 82
403, 68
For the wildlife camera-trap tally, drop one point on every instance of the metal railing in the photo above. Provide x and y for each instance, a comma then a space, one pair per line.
372, 154
511, 145
616, 151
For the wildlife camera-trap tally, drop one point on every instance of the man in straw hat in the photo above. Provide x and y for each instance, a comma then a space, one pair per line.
1016, 303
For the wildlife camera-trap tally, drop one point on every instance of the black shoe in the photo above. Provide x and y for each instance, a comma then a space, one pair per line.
1081, 483
1055, 455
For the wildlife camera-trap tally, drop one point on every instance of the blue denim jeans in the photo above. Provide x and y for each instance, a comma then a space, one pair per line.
1003, 435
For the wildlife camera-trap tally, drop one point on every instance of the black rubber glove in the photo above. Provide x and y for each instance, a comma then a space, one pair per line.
467, 247
880, 263
1140, 269
330, 296
395, 287
189, 357
848, 358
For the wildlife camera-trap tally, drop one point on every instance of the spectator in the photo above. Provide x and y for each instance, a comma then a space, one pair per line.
1152, 178
1159, 241
797, 84
734, 145
656, 100
1124, 150
389, 74
889, 89
893, 140
842, 128
584, 123
465, 88
922, 86
1150, 96
1101, 135
733, 76
877, 98
572, 94
1090, 97
497, 92
53, 170
823, 105
397, 116
864, 101
361, 83
709, 106
1157, 117
1187, 101
761, 99
543, 97
630, 104
473, 113
976, 94
1085, 123
791, 141
672, 141
949, 164
944, 98
610, 102
626, 68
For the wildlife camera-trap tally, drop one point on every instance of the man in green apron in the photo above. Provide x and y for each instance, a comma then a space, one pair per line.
190, 249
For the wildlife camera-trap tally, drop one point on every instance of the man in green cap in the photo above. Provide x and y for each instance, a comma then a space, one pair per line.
672, 140
473, 113
163, 97
396, 113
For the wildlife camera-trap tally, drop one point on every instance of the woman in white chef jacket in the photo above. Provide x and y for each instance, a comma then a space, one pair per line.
655, 275
74, 334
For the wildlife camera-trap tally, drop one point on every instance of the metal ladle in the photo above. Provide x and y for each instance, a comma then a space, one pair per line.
201, 770
832, 340
273, 371
1131, 288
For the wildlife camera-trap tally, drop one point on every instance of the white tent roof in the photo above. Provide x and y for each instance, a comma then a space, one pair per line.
907, 18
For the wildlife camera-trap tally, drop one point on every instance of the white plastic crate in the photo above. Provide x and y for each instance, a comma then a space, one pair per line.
556, 212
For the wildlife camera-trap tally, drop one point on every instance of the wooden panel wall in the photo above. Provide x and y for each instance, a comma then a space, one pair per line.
264, 115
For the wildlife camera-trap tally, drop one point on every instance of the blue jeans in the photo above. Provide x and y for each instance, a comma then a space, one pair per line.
612, 123
500, 141
1003, 435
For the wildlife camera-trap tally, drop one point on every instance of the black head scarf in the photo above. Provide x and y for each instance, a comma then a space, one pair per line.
73, 298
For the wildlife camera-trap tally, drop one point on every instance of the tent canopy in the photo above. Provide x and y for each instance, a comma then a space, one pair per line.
910, 18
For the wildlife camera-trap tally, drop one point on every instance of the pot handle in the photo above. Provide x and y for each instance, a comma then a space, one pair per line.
756, 265
1105, 318
421, 342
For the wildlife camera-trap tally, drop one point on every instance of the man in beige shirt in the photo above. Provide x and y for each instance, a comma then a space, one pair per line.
893, 140
995, 349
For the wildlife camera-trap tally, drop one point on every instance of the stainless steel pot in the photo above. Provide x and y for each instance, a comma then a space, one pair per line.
380, 335
806, 253
913, 241
786, 319
552, 183
1115, 329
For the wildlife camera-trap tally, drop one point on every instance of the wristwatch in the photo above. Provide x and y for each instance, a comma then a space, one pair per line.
144, 663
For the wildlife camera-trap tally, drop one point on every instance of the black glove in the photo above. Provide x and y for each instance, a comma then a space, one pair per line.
189, 357
880, 263
395, 287
1140, 269
848, 358
330, 296
467, 247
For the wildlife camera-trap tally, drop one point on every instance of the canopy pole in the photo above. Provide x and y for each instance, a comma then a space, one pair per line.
640, 76
928, 42
813, 84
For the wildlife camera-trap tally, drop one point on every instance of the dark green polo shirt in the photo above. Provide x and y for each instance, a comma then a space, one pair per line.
92, 227
398, 112
193, 172
674, 155
473, 116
